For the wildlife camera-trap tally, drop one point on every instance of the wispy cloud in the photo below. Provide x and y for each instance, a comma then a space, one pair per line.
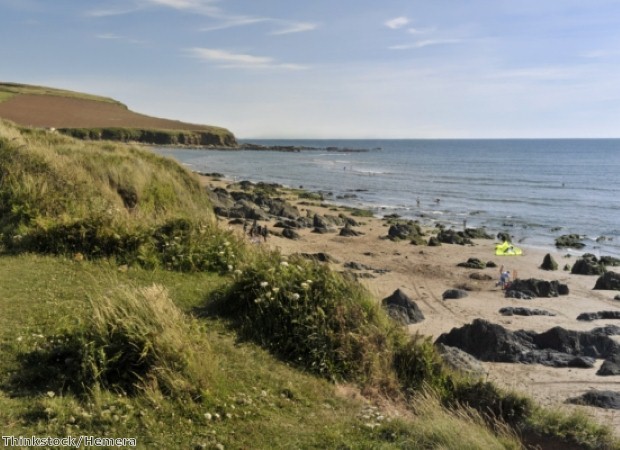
226, 59
397, 22
235, 22
117, 37
296, 27
425, 43
419, 30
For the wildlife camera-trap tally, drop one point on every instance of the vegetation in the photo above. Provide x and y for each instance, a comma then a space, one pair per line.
129, 325
7, 90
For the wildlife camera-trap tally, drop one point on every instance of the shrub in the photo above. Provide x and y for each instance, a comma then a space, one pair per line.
310, 316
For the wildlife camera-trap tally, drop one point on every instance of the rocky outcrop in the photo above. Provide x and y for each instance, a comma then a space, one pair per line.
569, 240
348, 231
608, 281
556, 347
454, 237
473, 263
402, 308
610, 367
588, 264
461, 361
405, 231
289, 233
599, 315
536, 288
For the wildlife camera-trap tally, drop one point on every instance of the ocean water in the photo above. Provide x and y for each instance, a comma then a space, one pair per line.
536, 190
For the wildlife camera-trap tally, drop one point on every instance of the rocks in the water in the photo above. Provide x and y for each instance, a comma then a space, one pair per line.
600, 399
519, 311
556, 347
599, 315
536, 288
609, 280
569, 240
588, 264
402, 308
454, 294
549, 263
473, 263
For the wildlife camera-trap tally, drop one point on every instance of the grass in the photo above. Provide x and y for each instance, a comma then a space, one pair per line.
11, 89
104, 331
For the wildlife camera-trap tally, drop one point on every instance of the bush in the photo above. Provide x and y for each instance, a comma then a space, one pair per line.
310, 316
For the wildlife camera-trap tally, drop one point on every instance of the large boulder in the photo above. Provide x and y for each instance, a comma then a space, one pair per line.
458, 360
609, 280
588, 264
454, 237
289, 233
454, 294
610, 367
404, 231
473, 263
348, 231
577, 343
280, 208
537, 288
549, 263
477, 233
487, 341
402, 308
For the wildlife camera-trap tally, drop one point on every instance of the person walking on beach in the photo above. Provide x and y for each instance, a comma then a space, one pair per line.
504, 278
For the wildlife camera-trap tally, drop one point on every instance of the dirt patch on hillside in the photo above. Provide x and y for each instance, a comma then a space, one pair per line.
63, 112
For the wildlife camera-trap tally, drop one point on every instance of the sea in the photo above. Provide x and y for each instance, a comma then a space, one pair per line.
534, 189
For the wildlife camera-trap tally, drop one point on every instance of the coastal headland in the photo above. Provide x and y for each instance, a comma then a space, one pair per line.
358, 244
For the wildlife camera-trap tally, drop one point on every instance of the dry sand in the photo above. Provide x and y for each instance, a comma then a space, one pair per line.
424, 273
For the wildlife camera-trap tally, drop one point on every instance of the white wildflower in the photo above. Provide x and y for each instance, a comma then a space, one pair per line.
284, 264
264, 284
238, 272
275, 289
305, 286
230, 268
295, 296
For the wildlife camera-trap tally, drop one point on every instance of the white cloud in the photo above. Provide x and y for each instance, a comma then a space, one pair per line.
236, 22
297, 27
397, 22
419, 30
425, 43
108, 36
228, 59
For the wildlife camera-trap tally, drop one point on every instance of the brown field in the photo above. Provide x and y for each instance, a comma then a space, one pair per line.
50, 111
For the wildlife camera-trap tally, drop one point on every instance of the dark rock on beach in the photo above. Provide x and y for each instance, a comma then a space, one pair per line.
480, 276
461, 361
609, 261
454, 294
289, 233
610, 367
588, 264
348, 231
477, 233
473, 263
402, 308
556, 347
454, 237
549, 263
404, 231
519, 311
599, 315
356, 266
599, 399
609, 280
607, 330
536, 288
321, 257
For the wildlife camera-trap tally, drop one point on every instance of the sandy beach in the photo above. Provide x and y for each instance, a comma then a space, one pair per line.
425, 272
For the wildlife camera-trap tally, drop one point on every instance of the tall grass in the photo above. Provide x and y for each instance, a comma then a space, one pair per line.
135, 340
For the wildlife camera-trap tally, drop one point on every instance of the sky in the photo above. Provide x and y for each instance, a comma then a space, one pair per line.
333, 68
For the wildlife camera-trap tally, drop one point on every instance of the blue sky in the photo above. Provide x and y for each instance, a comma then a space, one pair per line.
333, 68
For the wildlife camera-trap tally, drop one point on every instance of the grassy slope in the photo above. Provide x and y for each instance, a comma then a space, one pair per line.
49, 181
95, 117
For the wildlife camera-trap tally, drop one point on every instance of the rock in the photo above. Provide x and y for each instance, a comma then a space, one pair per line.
336, 221
281, 208
357, 266
480, 276
473, 263
537, 288
582, 362
404, 230
347, 231
610, 367
609, 261
617, 297
607, 330
549, 263
453, 237
402, 308
599, 399
578, 343
319, 221
569, 240
454, 294
504, 237
458, 360
486, 341
491, 264
321, 257
220, 198
323, 230
434, 242
599, 315
289, 233
588, 265
609, 280
286, 224
519, 311
519, 295
477, 233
